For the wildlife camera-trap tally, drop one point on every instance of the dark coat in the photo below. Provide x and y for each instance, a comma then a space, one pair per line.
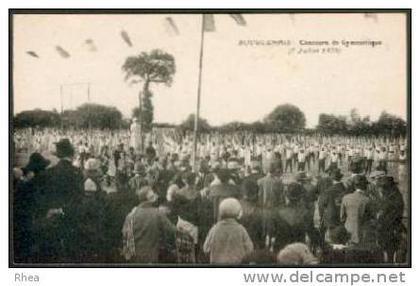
249, 186
329, 205
91, 235
118, 205
390, 216
220, 192
186, 205
162, 184
253, 221
290, 225
25, 208
204, 180
60, 187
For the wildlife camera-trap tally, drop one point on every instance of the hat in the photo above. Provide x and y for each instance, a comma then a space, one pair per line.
224, 175
37, 163
230, 208
301, 176
294, 191
377, 174
64, 148
204, 166
336, 174
139, 168
143, 194
296, 254
92, 164
360, 181
356, 166
385, 182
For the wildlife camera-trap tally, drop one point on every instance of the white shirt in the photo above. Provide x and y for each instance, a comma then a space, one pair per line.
301, 157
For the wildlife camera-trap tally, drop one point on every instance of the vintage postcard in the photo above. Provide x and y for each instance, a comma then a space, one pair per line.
210, 138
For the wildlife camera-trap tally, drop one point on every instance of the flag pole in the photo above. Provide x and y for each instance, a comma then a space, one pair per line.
197, 113
61, 105
90, 115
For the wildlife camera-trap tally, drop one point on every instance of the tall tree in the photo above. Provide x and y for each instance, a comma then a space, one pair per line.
331, 124
391, 124
157, 67
286, 118
93, 115
36, 117
188, 124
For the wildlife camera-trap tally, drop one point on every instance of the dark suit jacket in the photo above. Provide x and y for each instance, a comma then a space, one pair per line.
249, 186
220, 192
60, 186
290, 225
390, 219
329, 205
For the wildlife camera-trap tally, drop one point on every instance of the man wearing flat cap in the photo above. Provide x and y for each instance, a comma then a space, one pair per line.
61, 188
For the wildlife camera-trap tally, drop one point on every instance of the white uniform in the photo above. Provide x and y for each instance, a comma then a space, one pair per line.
135, 136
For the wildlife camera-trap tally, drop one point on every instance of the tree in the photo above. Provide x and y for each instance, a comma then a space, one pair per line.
391, 124
36, 118
70, 118
234, 127
99, 116
91, 115
331, 124
154, 67
286, 118
188, 124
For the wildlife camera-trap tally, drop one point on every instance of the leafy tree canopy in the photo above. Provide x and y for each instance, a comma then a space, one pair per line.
286, 118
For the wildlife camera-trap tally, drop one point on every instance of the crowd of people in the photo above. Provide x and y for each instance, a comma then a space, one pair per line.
93, 197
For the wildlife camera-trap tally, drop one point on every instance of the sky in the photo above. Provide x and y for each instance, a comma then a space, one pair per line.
239, 83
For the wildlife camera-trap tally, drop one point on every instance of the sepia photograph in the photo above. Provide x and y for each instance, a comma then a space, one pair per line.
210, 138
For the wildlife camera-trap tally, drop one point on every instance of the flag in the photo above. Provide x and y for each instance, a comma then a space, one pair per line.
208, 22
172, 28
372, 16
126, 38
239, 19
62, 52
292, 18
32, 54
91, 45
